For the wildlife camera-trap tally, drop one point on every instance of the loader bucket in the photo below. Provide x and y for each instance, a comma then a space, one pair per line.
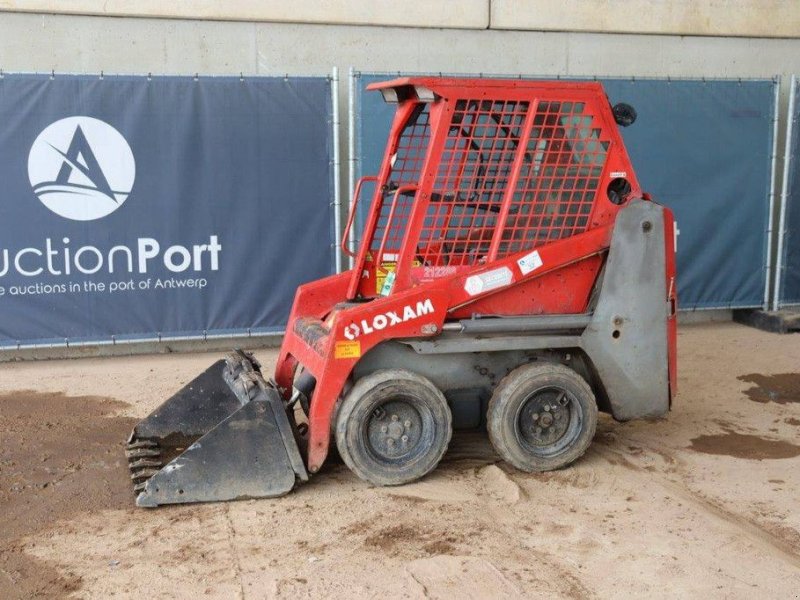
225, 435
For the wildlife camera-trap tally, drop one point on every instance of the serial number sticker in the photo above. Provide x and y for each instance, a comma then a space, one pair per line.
436, 272
618, 174
347, 349
530, 262
490, 280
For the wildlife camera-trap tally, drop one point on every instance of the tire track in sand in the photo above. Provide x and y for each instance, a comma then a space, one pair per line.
755, 532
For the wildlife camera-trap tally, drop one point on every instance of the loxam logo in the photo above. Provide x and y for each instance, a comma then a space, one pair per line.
389, 319
81, 168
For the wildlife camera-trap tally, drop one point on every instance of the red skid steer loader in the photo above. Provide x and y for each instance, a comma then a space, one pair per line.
512, 276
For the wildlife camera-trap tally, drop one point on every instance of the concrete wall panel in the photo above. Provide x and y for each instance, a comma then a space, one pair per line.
115, 45
472, 14
30, 42
303, 48
751, 18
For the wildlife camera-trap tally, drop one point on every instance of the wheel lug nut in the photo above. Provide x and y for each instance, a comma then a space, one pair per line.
535, 416
384, 429
547, 407
390, 441
395, 418
404, 438
407, 424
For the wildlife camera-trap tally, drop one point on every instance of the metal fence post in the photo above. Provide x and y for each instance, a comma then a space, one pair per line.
337, 195
787, 163
773, 177
351, 150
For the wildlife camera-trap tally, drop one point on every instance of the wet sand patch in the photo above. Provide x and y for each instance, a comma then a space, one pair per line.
781, 388
59, 456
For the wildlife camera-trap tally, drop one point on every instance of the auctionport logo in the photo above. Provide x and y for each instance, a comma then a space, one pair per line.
81, 168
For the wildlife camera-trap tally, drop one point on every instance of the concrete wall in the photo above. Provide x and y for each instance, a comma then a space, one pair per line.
752, 18
40, 42
473, 14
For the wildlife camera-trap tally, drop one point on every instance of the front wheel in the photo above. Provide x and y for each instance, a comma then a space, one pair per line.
542, 416
393, 427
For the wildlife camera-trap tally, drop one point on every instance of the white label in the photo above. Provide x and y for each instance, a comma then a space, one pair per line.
618, 174
389, 319
477, 284
387, 284
530, 262
676, 233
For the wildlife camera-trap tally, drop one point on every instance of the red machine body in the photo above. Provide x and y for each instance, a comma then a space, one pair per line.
536, 158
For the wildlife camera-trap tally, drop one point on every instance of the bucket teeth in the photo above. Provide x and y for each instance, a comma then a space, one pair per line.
143, 453
144, 462
143, 474
142, 444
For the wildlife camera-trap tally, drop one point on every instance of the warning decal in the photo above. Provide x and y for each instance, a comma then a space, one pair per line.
347, 349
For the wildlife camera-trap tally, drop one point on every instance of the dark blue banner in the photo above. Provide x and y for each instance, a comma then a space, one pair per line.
133, 207
703, 148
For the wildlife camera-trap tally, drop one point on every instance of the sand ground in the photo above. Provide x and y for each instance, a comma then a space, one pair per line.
704, 503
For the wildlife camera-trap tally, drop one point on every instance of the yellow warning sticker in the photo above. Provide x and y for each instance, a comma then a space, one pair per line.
383, 273
347, 349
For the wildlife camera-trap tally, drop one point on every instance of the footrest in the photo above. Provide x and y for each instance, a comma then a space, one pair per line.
313, 332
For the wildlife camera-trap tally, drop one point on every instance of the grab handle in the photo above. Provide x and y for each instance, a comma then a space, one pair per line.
403, 189
352, 215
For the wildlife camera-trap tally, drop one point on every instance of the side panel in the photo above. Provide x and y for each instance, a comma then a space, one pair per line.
627, 338
564, 291
670, 248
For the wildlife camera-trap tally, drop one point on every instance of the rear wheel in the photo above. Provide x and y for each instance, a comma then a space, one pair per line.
393, 427
542, 417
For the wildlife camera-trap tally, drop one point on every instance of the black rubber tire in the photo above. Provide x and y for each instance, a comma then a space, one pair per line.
393, 399
516, 402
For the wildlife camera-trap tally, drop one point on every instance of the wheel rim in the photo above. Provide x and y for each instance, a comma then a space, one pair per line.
395, 430
548, 421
